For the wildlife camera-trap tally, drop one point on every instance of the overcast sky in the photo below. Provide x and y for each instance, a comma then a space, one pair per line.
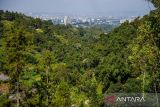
79, 7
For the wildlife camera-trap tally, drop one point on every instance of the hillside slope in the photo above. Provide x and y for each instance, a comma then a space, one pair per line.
63, 66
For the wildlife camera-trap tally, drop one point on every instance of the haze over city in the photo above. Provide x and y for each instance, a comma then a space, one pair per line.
79, 7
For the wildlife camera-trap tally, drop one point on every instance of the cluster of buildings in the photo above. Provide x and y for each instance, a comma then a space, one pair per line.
89, 21
85, 21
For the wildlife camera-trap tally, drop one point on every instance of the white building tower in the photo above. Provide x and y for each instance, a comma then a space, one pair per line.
67, 20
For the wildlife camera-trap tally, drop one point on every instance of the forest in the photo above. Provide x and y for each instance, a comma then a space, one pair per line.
46, 65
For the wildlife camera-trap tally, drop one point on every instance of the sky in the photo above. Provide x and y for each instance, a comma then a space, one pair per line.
79, 7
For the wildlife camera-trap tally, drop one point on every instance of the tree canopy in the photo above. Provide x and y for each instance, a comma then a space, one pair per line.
63, 66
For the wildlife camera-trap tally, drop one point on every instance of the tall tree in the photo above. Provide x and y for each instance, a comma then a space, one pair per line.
16, 42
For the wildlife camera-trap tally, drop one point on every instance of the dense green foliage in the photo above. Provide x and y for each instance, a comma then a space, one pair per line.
62, 66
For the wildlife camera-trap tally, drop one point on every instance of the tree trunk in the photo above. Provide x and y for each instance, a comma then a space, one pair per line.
17, 94
47, 72
144, 75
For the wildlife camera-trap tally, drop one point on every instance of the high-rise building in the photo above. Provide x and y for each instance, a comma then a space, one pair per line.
67, 20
